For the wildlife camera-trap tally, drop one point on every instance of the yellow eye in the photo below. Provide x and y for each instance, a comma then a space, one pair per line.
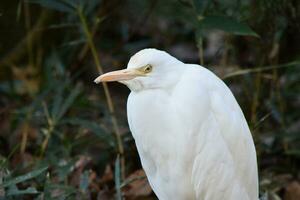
147, 68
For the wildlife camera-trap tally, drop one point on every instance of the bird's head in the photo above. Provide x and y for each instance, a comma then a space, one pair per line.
147, 69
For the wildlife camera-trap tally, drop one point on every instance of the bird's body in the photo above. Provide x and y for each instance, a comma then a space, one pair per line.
191, 135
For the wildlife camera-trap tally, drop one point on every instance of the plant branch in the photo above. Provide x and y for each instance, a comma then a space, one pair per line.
92, 47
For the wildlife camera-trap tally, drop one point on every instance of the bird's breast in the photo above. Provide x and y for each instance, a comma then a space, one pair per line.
153, 121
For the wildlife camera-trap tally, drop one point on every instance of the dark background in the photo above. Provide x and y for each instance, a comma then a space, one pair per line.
58, 136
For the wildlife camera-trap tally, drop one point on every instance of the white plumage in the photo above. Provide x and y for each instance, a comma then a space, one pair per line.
191, 135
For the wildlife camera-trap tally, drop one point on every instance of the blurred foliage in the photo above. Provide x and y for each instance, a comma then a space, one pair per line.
58, 138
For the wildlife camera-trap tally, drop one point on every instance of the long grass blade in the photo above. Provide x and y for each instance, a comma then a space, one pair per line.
118, 178
25, 177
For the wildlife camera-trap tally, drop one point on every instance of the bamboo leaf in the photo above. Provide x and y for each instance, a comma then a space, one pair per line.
201, 5
54, 5
118, 178
226, 24
68, 102
25, 177
12, 191
63, 191
94, 127
58, 99
84, 181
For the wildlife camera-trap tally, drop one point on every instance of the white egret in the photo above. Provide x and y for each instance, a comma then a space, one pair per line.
191, 135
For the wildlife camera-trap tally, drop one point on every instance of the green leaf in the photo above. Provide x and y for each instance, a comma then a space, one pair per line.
84, 181
118, 178
68, 102
226, 24
19, 11
57, 5
62, 26
94, 127
201, 6
15, 191
62, 191
63, 171
58, 99
25, 177
74, 42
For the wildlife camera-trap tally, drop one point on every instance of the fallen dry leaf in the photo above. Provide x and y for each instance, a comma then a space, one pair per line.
79, 166
104, 195
108, 175
292, 191
139, 186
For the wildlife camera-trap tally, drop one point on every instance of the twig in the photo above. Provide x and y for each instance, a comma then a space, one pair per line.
106, 90
259, 69
50, 129
257, 125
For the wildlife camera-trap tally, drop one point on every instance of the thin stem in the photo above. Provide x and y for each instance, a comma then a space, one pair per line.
200, 46
30, 58
106, 90
24, 136
50, 129
28, 26
256, 96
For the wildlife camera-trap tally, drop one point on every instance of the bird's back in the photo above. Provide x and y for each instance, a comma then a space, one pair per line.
195, 143
232, 147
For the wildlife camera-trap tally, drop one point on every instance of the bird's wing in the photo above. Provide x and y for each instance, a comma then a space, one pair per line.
225, 160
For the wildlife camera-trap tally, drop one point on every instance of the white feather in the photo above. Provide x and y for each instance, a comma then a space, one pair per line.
191, 135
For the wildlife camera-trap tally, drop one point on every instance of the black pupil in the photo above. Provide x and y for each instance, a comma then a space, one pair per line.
148, 69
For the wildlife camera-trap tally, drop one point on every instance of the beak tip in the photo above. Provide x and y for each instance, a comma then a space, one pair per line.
97, 80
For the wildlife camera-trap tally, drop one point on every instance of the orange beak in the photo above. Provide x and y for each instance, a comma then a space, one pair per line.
119, 75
